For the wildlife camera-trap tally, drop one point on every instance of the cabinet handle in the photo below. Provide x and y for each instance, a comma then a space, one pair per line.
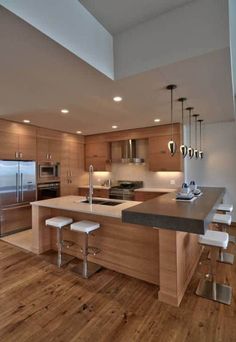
50, 156
47, 156
21, 154
16, 154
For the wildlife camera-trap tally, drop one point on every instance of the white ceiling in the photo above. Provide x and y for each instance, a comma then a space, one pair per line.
39, 77
119, 15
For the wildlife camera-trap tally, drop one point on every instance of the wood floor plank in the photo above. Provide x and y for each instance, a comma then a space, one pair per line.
40, 302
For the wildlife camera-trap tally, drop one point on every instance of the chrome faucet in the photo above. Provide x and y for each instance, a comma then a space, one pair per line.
90, 196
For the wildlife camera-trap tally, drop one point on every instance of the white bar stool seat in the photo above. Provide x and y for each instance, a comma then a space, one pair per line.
214, 238
225, 207
210, 289
224, 220
84, 226
86, 269
59, 222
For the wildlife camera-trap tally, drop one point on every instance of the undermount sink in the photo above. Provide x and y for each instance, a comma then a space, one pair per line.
102, 202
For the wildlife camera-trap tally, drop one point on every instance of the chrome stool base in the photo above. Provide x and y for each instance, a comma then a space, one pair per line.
213, 291
52, 258
226, 258
91, 269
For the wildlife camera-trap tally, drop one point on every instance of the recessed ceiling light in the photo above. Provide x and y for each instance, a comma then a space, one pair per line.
79, 132
114, 127
64, 111
26, 121
157, 120
117, 99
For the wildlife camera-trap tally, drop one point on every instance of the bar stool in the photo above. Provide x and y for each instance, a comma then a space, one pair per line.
86, 268
223, 221
210, 289
59, 222
227, 208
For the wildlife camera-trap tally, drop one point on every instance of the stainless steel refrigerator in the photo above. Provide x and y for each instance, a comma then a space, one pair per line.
17, 190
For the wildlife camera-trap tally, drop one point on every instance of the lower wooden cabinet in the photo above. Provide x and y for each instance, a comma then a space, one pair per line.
103, 193
146, 195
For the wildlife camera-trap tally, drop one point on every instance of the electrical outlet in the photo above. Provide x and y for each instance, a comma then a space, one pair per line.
172, 182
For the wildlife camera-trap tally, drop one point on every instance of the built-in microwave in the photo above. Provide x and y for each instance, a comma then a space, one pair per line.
50, 171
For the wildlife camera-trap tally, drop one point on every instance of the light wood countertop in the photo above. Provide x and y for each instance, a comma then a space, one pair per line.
74, 203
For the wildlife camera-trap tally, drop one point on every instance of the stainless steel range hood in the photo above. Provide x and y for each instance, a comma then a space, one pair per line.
129, 154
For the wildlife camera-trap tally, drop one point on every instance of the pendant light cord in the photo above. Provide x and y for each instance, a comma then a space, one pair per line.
190, 133
171, 100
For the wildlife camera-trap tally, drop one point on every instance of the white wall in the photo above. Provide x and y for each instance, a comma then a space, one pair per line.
218, 168
191, 30
72, 26
232, 29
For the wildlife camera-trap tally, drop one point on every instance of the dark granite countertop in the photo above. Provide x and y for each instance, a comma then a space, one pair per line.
165, 212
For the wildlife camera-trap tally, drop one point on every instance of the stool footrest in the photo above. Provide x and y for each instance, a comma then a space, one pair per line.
67, 243
232, 239
213, 291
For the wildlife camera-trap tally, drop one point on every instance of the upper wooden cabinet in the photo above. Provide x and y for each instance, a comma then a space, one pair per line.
72, 165
48, 149
99, 155
159, 155
17, 141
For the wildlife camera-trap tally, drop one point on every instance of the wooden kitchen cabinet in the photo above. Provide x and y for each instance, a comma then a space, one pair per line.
159, 155
8, 145
103, 193
143, 196
48, 150
99, 155
17, 141
72, 166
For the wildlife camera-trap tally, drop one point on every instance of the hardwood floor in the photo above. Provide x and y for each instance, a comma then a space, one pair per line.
41, 303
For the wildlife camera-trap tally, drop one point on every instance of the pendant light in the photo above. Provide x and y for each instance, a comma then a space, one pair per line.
171, 143
201, 153
190, 149
196, 152
183, 148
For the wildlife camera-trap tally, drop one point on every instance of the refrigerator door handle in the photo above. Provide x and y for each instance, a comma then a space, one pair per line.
21, 187
17, 188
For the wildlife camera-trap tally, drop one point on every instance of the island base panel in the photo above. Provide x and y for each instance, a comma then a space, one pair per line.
179, 257
126, 248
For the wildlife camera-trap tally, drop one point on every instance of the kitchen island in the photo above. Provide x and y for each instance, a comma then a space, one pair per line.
163, 256
125, 248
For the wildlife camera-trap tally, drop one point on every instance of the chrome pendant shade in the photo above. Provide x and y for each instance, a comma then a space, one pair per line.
183, 148
171, 143
196, 152
201, 153
190, 149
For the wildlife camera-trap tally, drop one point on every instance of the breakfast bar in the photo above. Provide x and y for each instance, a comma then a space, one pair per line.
155, 241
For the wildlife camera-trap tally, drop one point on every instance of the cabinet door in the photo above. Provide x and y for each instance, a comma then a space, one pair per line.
103, 193
54, 150
42, 149
83, 192
64, 171
8, 145
27, 147
159, 155
94, 150
98, 155
146, 195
